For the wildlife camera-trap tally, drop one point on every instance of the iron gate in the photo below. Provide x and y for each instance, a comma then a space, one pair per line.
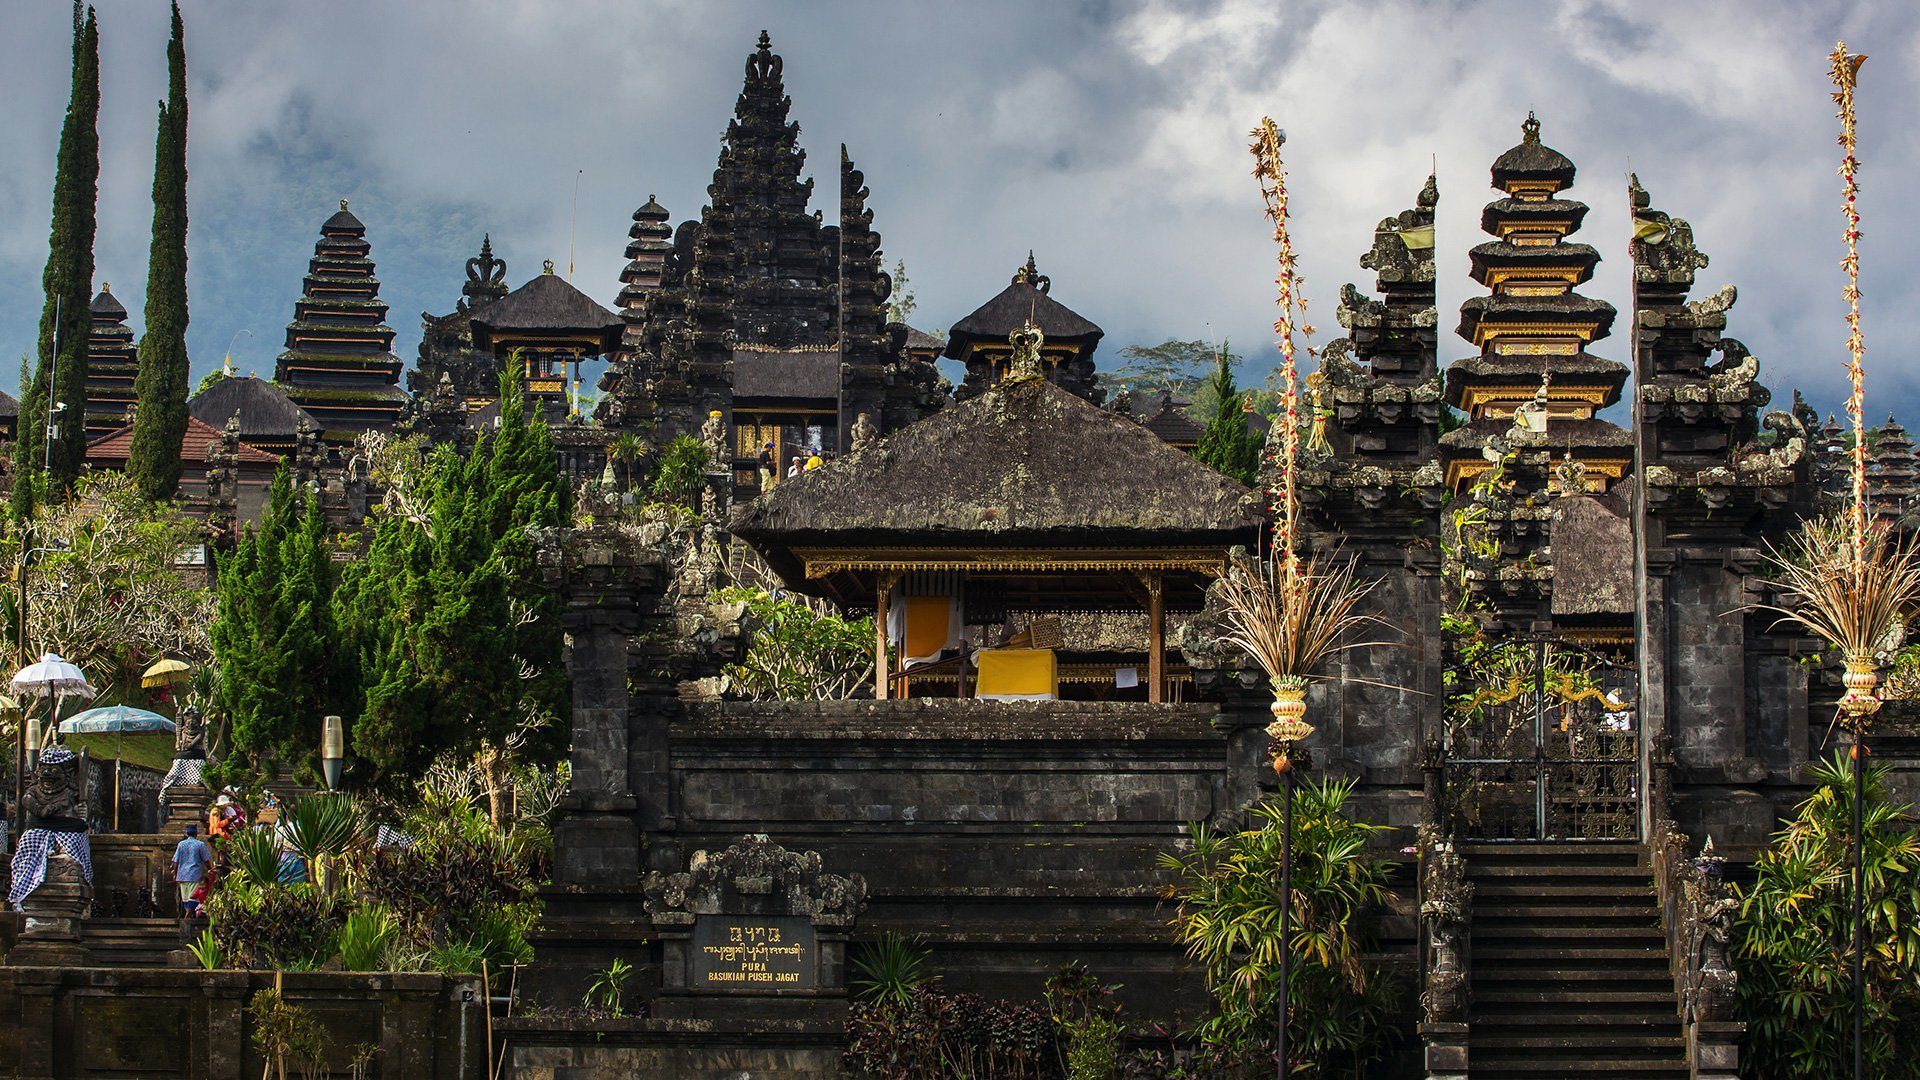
1549, 751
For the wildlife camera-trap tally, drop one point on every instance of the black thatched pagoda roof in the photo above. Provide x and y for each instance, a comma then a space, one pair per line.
1024, 463
1532, 160
1024, 300
266, 413
106, 306
9, 406
546, 306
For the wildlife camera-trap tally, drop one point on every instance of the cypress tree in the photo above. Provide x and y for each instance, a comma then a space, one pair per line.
1229, 444
68, 282
277, 666
160, 422
444, 615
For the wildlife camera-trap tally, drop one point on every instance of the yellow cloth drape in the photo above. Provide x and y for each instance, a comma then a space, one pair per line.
1018, 673
929, 625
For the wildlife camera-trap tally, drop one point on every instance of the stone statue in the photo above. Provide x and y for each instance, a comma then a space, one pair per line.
53, 864
190, 734
864, 432
183, 795
713, 434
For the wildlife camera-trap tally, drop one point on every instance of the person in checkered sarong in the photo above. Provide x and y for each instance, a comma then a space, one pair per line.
55, 807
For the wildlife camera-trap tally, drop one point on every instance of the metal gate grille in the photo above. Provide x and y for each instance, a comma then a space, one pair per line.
1550, 752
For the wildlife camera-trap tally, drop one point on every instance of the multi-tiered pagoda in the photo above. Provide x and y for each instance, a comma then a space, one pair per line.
759, 311
1531, 397
112, 363
339, 365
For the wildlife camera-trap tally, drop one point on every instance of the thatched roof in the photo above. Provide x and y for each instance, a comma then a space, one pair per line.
547, 305
919, 340
9, 406
1017, 303
266, 413
1563, 433
106, 305
1532, 160
1025, 462
806, 374
1592, 544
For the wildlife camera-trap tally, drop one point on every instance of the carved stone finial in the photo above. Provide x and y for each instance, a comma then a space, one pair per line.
1030, 275
546, 266
1530, 130
1430, 194
1026, 343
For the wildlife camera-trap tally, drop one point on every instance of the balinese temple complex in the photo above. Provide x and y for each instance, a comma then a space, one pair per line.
1047, 699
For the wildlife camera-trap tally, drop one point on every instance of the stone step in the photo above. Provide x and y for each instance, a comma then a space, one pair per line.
1545, 872
1548, 889
1637, 1045
1583, 1019
1492, 998
1501, 954
1560, 934
1601, 1061
1620, 852
1515, 910
1569, 976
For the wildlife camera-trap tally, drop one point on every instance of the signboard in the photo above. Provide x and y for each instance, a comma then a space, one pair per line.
747, 952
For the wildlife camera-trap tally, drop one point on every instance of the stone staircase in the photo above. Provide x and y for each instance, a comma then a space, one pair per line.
131, 942
1570, 975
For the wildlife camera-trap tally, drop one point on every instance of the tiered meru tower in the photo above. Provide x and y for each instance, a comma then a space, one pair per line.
1532, 394
759, 311
112, 363
339, 365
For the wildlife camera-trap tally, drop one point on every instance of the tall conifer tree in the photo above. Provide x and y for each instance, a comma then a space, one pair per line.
1229, 444
68, 282
160, 388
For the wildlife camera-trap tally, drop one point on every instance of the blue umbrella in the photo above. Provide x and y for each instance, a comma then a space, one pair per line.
123, 733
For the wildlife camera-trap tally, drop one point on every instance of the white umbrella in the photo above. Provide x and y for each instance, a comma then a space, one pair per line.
52, 677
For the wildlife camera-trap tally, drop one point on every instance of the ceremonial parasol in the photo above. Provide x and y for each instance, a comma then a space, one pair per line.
168, 672
54, 678
123, 733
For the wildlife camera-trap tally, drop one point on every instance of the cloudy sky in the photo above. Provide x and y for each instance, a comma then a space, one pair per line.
1110, 137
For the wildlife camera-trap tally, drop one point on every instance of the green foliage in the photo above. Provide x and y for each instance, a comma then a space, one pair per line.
367, 939
1087, 1019
940, 1036
1178, 367
252, 856
68, 284
1230, 445
900, 301
207, 951
105, 590
797, 653
609, 986
681, 471
1793, 946
456, 958
278, 927
459, 883
160, 387
323, 830
889, 970
278, 665
457, 638
1229, 920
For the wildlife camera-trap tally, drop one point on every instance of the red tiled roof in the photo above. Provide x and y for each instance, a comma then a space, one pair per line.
113, 448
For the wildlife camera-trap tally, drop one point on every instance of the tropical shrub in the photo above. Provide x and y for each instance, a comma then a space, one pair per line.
681, 470
367, 938
797, 653
1086, 1019
1793, 947
888, 970
934, 1035
253, 856
609, 986
1229, 920
277, 927
459, 883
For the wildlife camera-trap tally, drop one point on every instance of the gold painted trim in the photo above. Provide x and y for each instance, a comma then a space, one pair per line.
820, 562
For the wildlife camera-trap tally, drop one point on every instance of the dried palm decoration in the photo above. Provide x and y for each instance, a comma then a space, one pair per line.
1848, 580
1289, 615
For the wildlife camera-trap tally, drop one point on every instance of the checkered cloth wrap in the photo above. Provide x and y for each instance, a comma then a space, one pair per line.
185, 771
388, 836
30, 859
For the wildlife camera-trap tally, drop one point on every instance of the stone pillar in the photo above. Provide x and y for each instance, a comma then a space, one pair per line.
55, 912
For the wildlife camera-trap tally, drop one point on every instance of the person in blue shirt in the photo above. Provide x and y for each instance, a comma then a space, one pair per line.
190, 860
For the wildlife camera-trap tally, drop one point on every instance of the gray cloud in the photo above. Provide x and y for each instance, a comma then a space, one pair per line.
1108, 137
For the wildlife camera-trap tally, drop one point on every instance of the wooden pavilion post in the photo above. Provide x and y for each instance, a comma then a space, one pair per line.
883, 582
1156, 638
